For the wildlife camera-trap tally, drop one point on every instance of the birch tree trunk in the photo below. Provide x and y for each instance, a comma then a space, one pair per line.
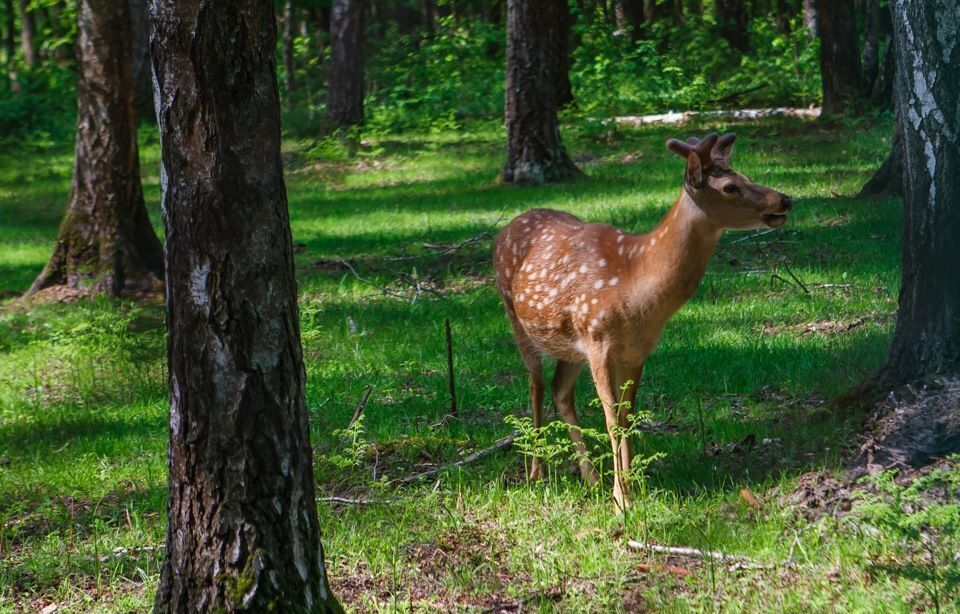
927, 335
242, 528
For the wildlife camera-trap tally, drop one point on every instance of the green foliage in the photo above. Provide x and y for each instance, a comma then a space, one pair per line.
920, 521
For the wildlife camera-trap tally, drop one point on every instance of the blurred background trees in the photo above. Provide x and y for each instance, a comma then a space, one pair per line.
397, 64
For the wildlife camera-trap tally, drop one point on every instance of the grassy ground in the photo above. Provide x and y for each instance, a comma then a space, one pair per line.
736, 387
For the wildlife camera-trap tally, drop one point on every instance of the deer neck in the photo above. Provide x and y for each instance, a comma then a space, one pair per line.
677, 253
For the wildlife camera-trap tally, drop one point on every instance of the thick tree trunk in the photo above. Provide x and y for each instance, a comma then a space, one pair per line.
810, 16
10, 43
142, 77
927, 335
839, 57
731, 18
242, 530
537, 33
27, 42
871, 42
106, 243
289, 76
345, 79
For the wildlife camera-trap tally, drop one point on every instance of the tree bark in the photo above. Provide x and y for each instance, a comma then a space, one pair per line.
27, 42
926, 339
345, 81
810, 16
839, 57
731, 18
242, 528
10, 44
537, 55
106, 244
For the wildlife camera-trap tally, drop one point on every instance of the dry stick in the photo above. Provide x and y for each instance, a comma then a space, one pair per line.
360, 406
694, 553
500, 444
349, 501
452, 384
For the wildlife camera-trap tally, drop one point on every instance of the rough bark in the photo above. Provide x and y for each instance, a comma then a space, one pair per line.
810, 16
839, 57
536, 72
106, 244
871, 42
242, 528
926, 339
289, 75
731, 16
345, 87
10, 42
27, 26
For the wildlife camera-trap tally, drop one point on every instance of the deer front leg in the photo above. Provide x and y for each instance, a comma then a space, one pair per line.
608, 382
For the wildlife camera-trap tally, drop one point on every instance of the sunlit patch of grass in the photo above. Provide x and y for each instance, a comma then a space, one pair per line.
749, 359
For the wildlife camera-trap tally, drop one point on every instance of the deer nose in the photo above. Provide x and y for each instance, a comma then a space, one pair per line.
786, 203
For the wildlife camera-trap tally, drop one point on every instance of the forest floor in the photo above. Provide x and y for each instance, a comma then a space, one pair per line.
392, 241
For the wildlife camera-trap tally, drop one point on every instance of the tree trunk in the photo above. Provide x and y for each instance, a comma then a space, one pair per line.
27, 42
345, 82
926, 339
839, 57
142, 77
289, 78
871, 42
10, 44
106, 243
536, 71
810, 16
888, 180
731, 18
242, 530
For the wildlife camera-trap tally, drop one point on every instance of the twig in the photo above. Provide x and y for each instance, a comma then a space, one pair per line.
796, 279
348, 501
752, 236
500, 444
120, 551
693, 553
360, 406
363, 280
450, 380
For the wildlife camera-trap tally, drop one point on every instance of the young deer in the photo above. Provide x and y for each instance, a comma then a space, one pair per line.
589, 293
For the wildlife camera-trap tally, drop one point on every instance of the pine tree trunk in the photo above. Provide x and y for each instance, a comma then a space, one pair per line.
927, 335
345, 79
537, 55
106, 244
843, 91
242, 530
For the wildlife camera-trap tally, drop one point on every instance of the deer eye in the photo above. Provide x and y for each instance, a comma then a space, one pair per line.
730, 188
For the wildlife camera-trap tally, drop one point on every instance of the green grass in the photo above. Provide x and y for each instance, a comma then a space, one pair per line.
83, 402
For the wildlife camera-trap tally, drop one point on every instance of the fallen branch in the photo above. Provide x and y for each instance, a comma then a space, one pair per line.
740, 114
349, 501
500, 444
736, 561
360, 406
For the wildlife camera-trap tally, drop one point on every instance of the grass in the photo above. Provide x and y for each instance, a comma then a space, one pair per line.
751, 358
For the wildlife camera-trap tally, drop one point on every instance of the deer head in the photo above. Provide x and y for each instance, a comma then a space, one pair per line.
726, 197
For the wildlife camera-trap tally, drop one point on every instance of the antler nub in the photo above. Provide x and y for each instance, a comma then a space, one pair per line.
708, 149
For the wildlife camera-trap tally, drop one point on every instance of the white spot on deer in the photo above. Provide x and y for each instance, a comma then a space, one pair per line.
508, 271
614, 281
620, 250
620, 237
583, 297
583, 268
598, 284
594, 301
584, 308
553, 292
601, 263
520, 297
653, 242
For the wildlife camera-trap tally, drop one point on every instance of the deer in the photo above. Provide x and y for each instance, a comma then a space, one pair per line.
591, 294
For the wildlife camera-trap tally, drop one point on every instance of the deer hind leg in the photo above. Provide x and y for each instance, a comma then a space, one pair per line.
532, 361
609, 380
564, 382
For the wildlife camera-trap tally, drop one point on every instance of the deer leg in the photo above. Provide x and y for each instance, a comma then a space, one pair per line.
626, 397
564, 382
605, 378
531, 359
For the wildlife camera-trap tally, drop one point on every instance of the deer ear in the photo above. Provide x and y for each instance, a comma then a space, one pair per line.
681, 149
694, 175
723, 150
